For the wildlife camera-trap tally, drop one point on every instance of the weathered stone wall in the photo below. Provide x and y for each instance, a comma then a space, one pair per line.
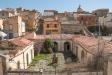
52, 73
70, 28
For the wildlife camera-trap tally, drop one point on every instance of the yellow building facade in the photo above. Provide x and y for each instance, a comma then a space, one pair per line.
51, 27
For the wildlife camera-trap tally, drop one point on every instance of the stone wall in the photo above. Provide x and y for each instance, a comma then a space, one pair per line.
51, 73
87, 73
70, 28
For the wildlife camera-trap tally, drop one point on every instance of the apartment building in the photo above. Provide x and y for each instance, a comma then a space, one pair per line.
5, 14
30, 17
87, 19
100, 12
51, 26
14, 27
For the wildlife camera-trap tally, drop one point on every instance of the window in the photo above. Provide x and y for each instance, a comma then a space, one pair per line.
76, 50
27, 59
111, 20
67, 46
10, 35
81, 18
55, 25
0, 38
10, 27
82, 55
18, 64
47, 25
2, 14
31, 54
89, 18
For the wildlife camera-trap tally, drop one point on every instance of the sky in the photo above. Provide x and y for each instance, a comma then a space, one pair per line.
59, 5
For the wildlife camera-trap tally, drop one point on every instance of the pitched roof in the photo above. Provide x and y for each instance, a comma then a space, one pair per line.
20, 42
91, 44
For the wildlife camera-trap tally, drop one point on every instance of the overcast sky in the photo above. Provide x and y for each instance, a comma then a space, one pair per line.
60, 5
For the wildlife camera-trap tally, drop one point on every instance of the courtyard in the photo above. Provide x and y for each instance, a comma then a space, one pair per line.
43, 61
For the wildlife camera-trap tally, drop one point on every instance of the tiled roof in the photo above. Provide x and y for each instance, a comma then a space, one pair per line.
13, 46
89, 41
91, 44
20, 42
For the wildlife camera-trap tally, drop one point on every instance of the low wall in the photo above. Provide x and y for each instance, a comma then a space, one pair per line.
51, 73
87, 73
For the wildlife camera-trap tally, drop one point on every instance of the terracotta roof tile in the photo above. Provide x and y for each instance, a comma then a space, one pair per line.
91, 44
20, 41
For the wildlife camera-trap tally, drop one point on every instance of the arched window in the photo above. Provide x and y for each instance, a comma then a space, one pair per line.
31, 54
82, 55
55, 49
76, 50
27, 59
18, 64
67, 46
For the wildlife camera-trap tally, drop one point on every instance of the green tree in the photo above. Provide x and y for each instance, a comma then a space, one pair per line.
48, 45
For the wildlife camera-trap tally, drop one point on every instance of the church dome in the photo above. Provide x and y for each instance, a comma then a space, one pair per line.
79, 9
